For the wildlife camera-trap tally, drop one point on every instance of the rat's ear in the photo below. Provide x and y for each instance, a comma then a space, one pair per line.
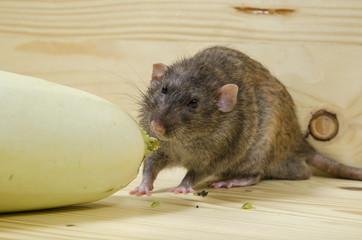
159, 71
227, 97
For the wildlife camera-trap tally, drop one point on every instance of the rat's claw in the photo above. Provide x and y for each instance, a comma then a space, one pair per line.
142, 190
182, 189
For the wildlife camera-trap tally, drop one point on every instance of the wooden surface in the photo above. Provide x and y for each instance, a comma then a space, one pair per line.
319, 208
108, 47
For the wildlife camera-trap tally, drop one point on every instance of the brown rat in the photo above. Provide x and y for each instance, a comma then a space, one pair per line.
221, 113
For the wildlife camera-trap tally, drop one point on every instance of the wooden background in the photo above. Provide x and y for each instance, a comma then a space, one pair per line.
107, 47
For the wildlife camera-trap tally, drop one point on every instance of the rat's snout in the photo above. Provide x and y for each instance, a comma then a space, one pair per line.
158, 127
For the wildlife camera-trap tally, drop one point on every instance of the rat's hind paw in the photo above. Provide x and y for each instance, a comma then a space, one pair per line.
142, 190
238, 182
182, 189
220, 184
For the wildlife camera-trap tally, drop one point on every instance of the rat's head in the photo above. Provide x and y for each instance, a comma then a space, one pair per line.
183, 102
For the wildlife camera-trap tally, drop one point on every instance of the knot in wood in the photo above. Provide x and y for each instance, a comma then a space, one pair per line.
323, 126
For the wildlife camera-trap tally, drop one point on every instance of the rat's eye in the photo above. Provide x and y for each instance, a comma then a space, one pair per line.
164, 89
193, 104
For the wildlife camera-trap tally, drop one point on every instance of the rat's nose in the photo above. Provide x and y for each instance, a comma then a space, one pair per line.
157, 127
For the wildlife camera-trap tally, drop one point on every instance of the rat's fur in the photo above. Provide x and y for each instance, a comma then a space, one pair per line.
258, 139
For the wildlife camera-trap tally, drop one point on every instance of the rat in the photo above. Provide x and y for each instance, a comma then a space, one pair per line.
222, 114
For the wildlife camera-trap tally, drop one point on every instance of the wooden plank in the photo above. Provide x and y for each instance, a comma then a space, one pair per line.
319, 76
282, 210
217, 21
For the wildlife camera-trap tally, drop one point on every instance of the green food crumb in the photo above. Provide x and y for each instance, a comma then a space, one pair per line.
155, 204
151, 143
247, 205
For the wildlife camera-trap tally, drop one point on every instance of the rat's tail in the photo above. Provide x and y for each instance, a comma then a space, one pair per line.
335, 168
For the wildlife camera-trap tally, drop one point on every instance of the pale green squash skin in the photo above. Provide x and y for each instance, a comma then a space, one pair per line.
60, 146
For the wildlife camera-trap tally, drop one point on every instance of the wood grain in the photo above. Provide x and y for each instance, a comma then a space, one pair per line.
319, 208
108, 48
217, 21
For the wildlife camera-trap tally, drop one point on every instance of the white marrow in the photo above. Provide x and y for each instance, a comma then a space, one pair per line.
61, 146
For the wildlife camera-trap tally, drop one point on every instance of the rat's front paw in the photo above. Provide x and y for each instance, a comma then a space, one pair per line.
182, 189
143, 189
